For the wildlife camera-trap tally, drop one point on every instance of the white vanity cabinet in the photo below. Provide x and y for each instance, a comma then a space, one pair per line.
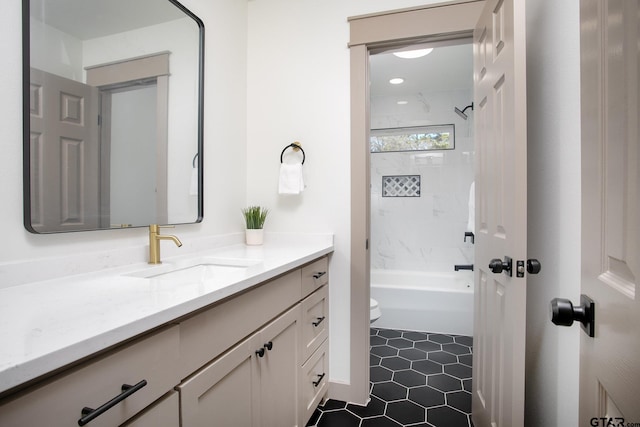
163, 413
253, 384
259, 382
257, 359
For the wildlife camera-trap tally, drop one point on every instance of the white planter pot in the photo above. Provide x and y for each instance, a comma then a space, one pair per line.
254, 236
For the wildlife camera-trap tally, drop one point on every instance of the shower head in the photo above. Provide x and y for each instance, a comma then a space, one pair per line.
461, 113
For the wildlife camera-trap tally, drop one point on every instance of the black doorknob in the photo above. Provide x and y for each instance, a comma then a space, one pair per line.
533, 266
564, 313
498, 266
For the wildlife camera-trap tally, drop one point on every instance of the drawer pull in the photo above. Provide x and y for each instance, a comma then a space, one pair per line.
318, 321
268, 345
88, 414
319, 274
260, 352
317, 383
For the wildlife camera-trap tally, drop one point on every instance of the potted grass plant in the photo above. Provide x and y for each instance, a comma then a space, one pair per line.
254, 218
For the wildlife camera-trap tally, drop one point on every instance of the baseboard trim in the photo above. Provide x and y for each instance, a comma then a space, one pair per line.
344, 392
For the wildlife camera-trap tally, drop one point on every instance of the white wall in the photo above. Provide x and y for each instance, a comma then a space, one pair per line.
298, 85
553, 95
55, 52
423, 233
224, 128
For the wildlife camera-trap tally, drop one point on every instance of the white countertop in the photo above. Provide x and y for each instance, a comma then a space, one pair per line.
49, 324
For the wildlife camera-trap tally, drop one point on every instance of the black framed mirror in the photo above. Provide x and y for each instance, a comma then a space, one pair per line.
113, 114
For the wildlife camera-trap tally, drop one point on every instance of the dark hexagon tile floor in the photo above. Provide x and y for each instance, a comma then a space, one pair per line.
418, 379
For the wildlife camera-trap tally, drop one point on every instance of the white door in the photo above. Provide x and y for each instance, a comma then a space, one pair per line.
610, 361
501, 224
64, 154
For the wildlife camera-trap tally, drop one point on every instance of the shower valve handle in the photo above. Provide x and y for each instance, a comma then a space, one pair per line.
498, 266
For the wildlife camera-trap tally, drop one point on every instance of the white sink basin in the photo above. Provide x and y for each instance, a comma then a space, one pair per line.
194, 270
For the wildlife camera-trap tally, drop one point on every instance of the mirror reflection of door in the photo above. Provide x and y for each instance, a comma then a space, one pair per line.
131, 142
64, 153
134, 139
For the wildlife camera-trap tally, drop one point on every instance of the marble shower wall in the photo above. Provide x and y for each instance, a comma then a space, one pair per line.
424, 233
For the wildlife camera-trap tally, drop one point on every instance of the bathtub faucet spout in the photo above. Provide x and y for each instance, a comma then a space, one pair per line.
458, 267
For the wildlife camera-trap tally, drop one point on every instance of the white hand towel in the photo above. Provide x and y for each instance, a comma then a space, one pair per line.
471, 224
193, 186
291, 181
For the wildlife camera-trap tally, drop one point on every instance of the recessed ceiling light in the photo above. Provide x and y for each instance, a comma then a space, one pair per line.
396, 81
402, 102
410, 54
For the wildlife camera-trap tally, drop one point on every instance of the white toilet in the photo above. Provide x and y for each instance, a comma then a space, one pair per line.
374, 310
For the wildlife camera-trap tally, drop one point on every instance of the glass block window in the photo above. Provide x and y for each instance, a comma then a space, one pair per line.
401, 186
416, 138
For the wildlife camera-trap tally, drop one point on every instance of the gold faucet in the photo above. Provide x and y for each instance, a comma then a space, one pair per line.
154, 242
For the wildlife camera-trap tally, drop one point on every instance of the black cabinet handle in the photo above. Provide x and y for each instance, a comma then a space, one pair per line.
319, 274
318, 321
88, 414
268, 345
260, 352
317, 383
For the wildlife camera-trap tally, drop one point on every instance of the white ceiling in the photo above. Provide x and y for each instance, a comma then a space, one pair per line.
88, 19
446, 68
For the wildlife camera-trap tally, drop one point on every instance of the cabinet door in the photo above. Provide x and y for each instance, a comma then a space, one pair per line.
279, 370
163, 413
225, 392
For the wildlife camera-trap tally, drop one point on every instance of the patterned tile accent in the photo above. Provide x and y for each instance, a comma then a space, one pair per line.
401, 186
418, 379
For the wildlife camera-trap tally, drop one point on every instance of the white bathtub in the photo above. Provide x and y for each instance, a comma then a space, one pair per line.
423, 301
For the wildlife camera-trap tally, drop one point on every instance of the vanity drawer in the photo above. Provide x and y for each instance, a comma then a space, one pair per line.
315, 321
315, 275
208, 334
60, 400
314, 382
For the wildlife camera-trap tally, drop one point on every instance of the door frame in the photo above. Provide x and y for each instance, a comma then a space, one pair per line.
121, 75
395, 28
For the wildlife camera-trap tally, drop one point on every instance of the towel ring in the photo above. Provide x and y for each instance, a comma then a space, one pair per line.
295, 146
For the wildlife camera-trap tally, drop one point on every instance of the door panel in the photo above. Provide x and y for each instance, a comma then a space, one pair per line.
609, 368
64, 148
225, 392
280, 369
501, 195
